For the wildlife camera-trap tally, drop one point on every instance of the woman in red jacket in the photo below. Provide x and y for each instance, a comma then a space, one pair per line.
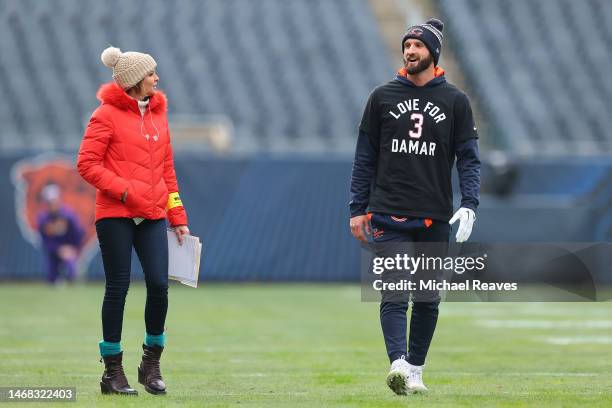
126, 154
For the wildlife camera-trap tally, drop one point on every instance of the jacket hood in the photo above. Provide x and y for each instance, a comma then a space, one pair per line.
113, 94
438, 77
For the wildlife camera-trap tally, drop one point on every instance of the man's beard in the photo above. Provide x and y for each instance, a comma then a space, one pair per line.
421, 66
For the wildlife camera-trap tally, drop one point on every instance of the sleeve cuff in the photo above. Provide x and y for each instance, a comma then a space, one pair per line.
470, 203
177, 216
358, 209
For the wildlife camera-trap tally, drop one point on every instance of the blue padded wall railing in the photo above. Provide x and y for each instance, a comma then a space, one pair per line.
286, 219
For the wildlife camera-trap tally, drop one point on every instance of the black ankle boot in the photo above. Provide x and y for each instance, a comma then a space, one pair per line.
149, 373
113, 379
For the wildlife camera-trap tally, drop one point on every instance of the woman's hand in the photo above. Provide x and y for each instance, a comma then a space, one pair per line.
181, 230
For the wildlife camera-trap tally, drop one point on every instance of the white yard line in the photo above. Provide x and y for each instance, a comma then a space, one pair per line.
569, 340
373, 374
544, 324
537, 310
517, 374
429, 372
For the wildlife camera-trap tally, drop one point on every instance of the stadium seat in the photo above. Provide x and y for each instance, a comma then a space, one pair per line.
540, 68
292, 75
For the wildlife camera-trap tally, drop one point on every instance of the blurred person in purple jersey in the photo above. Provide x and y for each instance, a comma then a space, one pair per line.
61, 235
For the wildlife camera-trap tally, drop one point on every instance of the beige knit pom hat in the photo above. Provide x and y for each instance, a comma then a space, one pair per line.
129, 68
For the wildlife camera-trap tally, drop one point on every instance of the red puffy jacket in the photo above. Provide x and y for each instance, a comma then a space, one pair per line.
123, 150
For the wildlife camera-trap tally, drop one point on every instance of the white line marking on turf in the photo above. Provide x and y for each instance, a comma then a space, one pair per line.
545, 324
373, 374
248, 393
518, 374
21, 351
537, 309
568, 340
253, 375
432, 372
249, 350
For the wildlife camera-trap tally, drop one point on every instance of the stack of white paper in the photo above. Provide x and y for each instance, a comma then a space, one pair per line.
184, 260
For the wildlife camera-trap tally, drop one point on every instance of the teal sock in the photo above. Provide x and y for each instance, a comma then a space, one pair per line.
155, 340
108, 348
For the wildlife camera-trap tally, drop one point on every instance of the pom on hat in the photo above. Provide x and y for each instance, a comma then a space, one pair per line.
129, 68
110, 56
436, 23
430, 33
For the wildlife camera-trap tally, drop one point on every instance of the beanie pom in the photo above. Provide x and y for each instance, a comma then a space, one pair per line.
110, 56
439, 25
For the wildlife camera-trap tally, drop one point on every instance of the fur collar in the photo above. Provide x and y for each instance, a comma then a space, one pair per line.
113, 94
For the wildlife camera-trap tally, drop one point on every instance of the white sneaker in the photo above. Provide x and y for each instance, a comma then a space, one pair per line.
397, 379
415, 379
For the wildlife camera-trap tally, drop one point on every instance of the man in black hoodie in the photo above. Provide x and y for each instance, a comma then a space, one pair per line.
412, 129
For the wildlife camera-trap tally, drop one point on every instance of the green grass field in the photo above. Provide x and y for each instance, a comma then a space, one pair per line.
310, 346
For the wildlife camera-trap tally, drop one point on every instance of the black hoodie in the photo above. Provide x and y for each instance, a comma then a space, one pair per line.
409, 137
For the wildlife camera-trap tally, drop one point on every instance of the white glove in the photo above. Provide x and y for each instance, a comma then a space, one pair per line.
466, 219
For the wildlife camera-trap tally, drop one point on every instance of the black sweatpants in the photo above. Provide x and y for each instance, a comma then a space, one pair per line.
424, 315
117, 236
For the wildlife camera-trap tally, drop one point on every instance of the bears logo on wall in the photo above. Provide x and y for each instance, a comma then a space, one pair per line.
31, 175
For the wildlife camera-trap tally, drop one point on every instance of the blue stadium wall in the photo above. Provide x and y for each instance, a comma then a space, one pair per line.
286, 219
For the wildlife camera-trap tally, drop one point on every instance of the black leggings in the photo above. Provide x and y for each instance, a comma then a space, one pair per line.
150, 240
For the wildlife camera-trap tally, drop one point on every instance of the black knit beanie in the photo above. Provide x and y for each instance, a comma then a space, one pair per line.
430, 33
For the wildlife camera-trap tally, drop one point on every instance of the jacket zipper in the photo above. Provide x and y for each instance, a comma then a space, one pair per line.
151, 204
148, 138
